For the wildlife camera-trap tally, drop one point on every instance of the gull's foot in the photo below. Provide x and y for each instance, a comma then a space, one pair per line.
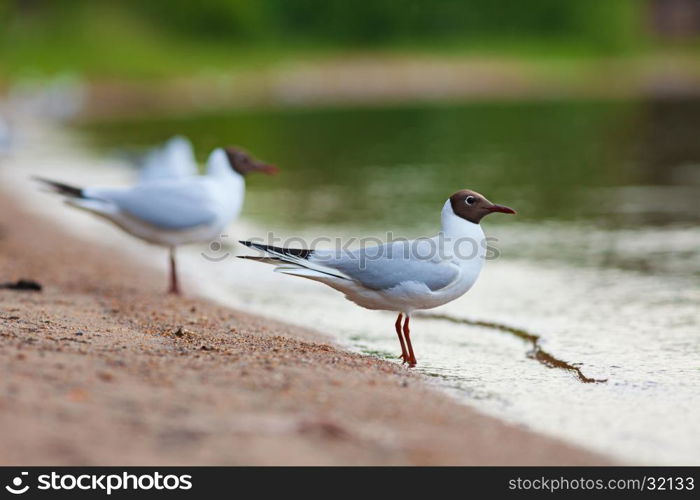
412, 361
408, 360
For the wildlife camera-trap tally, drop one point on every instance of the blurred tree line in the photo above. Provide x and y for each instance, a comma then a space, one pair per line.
599, 24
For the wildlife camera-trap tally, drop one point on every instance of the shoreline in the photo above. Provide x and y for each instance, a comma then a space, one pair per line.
102, 355
393, 79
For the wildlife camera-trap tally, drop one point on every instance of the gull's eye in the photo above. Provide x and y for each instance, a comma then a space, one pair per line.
469, 200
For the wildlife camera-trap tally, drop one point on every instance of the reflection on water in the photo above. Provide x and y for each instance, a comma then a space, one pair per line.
599, 272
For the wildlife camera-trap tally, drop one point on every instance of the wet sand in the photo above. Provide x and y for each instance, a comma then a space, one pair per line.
101, 367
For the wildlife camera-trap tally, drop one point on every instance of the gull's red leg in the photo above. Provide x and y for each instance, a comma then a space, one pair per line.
407, 334
174, 285
404, 354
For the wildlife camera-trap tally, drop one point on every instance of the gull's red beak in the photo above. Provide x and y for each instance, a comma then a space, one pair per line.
502, 208
267, 169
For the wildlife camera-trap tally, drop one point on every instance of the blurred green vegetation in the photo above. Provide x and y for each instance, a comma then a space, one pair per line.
136, 38
600, 23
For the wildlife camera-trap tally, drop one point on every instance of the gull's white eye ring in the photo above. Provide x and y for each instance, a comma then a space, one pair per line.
469, 200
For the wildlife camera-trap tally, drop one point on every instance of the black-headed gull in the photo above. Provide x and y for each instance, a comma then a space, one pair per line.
176, 211
402, 276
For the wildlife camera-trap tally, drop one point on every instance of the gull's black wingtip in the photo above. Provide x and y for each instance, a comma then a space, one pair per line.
279, 252
60, 187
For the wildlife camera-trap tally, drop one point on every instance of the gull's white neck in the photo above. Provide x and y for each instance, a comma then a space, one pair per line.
456, 226
229, 185
219, 166
459, 233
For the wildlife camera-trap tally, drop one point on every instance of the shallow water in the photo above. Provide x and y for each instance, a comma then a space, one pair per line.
586, 327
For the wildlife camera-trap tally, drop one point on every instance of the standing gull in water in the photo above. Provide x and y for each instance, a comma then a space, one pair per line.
173, 211
402, 276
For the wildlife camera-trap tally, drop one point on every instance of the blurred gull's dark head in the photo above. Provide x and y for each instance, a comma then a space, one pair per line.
243, 163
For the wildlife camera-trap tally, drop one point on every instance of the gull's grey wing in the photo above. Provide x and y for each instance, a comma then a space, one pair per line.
386, 266
173, 204
175, 159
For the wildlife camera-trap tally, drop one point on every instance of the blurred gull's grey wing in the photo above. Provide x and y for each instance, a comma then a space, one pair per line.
167, 204
175, 159
386, 266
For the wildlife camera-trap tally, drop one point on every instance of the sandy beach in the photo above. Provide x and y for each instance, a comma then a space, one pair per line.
101, 367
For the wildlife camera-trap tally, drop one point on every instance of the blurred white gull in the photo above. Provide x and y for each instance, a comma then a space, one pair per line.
173, 211
402, 276
6, 136
59, 98
173, 160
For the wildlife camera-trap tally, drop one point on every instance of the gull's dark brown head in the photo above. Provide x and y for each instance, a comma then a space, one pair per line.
472, 206
243, 163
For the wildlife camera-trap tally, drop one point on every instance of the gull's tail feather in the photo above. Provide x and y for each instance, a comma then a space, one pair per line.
76, 197
295, 261
284, 254
61, 188
265, 260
